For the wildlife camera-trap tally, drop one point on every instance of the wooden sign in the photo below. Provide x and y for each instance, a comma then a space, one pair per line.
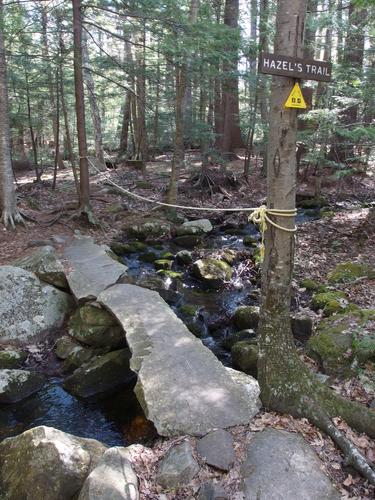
295, 99
273, 64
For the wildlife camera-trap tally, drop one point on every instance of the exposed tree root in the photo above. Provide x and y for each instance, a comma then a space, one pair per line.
297, 392
11, 217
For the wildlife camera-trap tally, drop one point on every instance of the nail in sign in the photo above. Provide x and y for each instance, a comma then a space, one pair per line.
295, 99
294, 67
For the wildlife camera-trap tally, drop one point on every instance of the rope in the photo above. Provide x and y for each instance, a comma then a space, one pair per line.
258, 216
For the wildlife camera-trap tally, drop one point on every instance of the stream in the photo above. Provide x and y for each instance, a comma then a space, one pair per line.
110, 419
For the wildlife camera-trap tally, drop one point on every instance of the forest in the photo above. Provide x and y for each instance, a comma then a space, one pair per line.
187, 273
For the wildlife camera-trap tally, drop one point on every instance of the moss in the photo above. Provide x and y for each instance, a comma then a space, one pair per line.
170, 274
167, 255
327, 214
114, 209
250, 241
347, 272
189, 309
245, 357
330, 302
313, 286
163, 264
246, 317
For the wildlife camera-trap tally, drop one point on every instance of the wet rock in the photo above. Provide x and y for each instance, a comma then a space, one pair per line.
212, 272
246, 317
184, 257
12, 358
245, 357
77, 357
204, 225
302, 327
148, 257
101, 375
119, 248
178, 467
212, 491
216, 449
64, 346
171, 297
89, 268
189, 309
163, 264
29, 308
235, 337
16, 385
281, 465
45, 264
347, 272
113, 478
330, 302
250, 240
188, 241
229, 256
96, 327
171, 365
45, 464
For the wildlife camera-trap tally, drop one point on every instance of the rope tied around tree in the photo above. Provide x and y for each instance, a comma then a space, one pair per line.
258, 216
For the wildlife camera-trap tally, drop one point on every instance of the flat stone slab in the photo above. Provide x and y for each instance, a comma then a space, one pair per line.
280, 465
216, 449
182, 387
89, 269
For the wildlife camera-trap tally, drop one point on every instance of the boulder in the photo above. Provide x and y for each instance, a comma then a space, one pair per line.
216, 449
16, 385
212, 273
113, 478
96, 327
45, 264
184, 257
77, 357
233, 338
46, 464
163, 264
281, 465
182, 387
178, 467
245, 357
11, 358
89, 269
150, 231
101, 375
204, 225
249, 384
28, 307
330, 302
347, 272
64, 346
212, 491
245, 317
188, 240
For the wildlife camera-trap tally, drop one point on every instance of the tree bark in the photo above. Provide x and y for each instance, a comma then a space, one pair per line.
95, 114
9, 212
80, 111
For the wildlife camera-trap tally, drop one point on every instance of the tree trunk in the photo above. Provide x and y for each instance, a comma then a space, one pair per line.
287, 385
262, 81
80, 111
141, 98
95, 114
232, 138
9, 212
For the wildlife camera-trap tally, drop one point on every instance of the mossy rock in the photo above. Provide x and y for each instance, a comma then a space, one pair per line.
213, 273
347, 272
184, 257
245, 357
170, 274
105, 333
163, 264
119, 248
188, 240
189, 309
167, 255
331, 302
235, 337
250, 240
148, 257
246, 317
229, 256
96, 316
150, 231
11, 358
313, 286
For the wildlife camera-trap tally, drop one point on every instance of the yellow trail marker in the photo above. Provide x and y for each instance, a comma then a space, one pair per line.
295, 99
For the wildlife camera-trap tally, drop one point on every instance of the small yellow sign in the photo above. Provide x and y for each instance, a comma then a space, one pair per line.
295, 99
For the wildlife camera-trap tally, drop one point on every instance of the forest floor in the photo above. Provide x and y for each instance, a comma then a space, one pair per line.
347, 235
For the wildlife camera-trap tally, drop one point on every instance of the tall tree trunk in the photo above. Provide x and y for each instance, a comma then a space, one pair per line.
84, 188
287, 385
141, 97
9, 212
232, 138
34, 142
124, 140
218, 107
262, 81
95, 114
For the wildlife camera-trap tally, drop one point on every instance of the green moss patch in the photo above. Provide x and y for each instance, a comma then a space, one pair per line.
347, 272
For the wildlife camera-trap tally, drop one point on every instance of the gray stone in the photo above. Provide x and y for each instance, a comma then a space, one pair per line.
184, 257
45, 264
151, 231
188, 240
89, 269
113, 478
204, 225
77, 357
178, 467
16, 385
46, 464
64, 346
249, 384
212, 272
216, 449
281, 466
28, 307
11, 358
100, 375
182, 386
212, 491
